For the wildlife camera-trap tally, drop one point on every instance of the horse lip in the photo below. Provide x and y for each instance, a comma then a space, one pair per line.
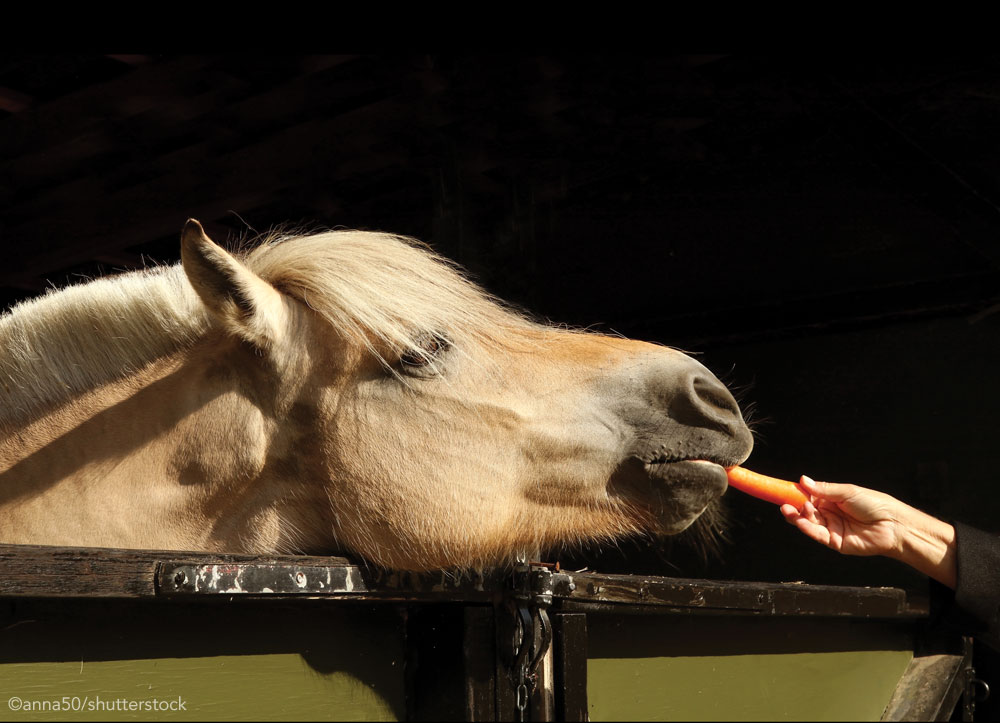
668, 469
660, 461
660, 468
691, 474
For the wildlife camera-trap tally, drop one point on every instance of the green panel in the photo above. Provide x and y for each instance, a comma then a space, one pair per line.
228, 688
226, 660
800, 687
648, 668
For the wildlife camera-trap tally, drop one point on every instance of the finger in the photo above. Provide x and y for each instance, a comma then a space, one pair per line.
813, 529
827, 490
819, 533
790, 513
819, 517
812, 513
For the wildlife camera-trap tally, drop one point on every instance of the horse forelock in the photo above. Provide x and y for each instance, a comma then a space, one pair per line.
387, 291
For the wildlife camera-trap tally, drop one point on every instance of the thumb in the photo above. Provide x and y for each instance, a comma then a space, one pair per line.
827, 490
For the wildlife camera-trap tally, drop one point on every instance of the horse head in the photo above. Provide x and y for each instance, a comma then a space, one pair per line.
343, 391
447, 430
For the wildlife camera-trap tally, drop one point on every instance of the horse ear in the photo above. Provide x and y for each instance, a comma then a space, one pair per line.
249, 306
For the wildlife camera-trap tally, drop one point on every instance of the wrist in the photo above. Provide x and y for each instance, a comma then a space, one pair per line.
927, 544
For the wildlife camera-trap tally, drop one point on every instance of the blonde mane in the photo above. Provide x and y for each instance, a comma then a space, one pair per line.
386, 291
75, 339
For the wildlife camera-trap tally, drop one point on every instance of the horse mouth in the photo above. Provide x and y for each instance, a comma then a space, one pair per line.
673, 470
662, 463
638, 478
667, 495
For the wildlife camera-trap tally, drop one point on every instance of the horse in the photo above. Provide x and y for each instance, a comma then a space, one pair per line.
349, 391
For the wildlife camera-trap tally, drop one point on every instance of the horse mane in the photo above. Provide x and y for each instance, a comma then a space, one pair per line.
386, 290
71, 340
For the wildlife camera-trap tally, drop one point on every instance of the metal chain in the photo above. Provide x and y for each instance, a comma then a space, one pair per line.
531, 639
524, 635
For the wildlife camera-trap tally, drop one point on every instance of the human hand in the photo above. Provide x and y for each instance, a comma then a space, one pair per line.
855, 520
849, 519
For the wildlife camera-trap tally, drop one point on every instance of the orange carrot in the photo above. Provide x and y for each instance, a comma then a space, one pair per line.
771, 489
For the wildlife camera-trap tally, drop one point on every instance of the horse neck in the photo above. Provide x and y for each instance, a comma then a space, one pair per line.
124, 458
171, 457
64, 345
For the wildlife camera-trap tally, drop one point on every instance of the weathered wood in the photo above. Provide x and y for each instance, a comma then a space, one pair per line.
479, 663
506, 694
81, 572
569, 642
733, 597
449, 663
45, 571
257, 578
543, 695
930, 688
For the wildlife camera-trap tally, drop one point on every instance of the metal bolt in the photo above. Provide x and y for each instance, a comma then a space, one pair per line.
300, 579
180, 579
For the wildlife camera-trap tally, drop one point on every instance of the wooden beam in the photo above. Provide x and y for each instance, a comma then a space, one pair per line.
42, 571
569, 642
931, 686
730, 597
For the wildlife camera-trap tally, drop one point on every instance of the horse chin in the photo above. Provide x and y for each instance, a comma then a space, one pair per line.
669, 496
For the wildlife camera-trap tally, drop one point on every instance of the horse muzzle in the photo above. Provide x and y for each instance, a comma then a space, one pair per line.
686, 428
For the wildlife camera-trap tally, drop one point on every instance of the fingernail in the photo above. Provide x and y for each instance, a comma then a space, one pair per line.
810, 480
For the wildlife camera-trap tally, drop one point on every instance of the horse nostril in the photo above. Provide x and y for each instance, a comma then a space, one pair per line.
714, 394
696, 401
704, 401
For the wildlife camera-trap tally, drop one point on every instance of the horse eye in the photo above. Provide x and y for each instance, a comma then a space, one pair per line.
424, 351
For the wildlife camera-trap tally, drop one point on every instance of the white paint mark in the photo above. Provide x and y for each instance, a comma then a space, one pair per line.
199, 580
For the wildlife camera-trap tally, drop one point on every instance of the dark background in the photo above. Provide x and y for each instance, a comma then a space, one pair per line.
823, 231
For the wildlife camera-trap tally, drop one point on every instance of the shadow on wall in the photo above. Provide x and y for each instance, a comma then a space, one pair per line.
226, 659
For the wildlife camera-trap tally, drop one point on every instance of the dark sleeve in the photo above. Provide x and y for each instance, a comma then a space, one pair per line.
977, 591
975, 604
